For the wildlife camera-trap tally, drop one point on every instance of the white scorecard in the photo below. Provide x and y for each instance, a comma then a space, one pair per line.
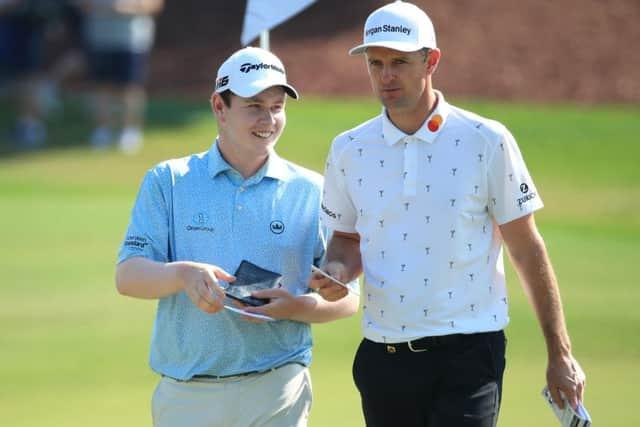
246, 313
568, 417
333, 279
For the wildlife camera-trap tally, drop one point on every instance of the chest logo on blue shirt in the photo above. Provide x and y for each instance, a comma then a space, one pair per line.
277, 227
199, 222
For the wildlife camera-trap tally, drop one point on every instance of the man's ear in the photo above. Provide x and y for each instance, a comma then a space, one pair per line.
434, 59
217, 106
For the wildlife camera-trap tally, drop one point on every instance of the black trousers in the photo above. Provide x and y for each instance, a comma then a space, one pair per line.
451, 381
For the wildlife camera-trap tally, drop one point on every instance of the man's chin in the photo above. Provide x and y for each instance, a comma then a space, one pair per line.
392, 103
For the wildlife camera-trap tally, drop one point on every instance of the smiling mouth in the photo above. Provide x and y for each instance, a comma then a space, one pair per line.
263, 134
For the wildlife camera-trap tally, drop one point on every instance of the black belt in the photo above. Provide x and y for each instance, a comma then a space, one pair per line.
243, 374
429, 343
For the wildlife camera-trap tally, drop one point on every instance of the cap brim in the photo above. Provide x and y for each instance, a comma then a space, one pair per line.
400, 46
291, 91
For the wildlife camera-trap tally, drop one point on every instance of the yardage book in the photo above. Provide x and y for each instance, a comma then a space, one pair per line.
567, 416
250, 278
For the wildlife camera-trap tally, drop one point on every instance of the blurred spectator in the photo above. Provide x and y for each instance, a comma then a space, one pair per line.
22, 28
119, 37
71, 62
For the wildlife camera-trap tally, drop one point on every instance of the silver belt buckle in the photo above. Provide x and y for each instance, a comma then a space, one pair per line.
415, 350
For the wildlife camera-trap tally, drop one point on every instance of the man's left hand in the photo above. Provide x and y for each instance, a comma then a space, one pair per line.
565, 375
281, 305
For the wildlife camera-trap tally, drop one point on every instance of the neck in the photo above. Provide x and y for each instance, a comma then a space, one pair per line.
411, 119
247, 164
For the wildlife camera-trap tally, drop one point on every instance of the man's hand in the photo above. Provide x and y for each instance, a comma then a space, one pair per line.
281, 305
565, 374
200, 283
327, 288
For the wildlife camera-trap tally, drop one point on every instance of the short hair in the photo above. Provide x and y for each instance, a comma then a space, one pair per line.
226, 97
425, 53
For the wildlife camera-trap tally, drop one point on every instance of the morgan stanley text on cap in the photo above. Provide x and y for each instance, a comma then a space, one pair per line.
399, 26
251, 70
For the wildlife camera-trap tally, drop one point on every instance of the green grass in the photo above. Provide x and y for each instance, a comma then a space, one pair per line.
74, 353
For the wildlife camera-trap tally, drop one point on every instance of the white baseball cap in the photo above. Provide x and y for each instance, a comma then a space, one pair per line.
251, 70
400, 26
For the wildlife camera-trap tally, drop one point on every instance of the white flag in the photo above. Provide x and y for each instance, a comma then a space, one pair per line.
263, 15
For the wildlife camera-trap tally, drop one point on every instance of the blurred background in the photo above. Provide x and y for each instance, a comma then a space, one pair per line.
563, 76
528, 50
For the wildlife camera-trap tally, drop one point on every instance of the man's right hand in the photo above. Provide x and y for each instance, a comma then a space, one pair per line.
327, 288
200, 283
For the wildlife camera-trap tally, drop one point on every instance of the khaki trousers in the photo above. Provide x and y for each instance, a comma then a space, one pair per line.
278, 398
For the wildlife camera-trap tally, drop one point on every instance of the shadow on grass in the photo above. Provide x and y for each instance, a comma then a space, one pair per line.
70, 125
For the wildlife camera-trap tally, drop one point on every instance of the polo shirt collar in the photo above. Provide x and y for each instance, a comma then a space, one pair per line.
275, 167
217, 164
429, 130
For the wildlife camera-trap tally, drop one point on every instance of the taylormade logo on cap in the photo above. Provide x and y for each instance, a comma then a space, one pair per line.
251, 70
401, 26
245, 68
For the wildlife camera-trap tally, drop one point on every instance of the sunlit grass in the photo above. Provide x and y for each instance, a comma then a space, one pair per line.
74, 353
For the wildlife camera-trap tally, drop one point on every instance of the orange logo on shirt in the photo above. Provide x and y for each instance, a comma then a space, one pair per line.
434, 123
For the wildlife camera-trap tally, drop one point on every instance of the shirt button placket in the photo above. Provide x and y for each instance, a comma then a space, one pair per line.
237, 207
238, 197
410, 167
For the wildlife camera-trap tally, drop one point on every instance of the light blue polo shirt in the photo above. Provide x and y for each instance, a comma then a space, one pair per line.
199, 208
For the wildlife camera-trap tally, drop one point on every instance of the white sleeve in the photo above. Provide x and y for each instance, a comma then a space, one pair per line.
338, 211
512, 193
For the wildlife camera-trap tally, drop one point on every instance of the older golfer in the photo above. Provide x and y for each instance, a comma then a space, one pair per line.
422, 198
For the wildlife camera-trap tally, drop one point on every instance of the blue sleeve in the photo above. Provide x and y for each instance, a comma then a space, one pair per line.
148, 231
320, 248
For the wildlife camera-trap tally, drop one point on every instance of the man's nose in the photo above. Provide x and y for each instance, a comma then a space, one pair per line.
267, 116
387, 73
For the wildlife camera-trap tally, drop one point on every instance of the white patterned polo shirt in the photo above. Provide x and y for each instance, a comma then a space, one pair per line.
427, 208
